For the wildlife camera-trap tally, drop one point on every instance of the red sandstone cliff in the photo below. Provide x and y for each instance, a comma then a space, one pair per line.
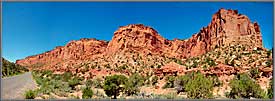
74, 50
227, 27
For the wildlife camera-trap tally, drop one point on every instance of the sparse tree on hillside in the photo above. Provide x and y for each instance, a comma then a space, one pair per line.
134, 82
244, 87
114, 84
199, 87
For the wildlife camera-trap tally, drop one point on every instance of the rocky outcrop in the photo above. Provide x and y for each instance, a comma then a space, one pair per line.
226, 28
171, 68
75, 50
139, 38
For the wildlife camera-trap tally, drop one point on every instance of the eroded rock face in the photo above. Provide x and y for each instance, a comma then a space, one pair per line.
137, 37
226, 28
74, 50
171, 68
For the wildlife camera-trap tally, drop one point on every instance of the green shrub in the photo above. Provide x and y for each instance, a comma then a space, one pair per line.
215, 80
195, 64
181, 81
73, 82
268, 63
270, 89
200, 87
130, 89
87, 93
171, 96
134, 82
47, 72
169, 82
123, 67
255, 73
51, 84
60, 88
269, 52
39, 80
226, 61
10, 69
89, 83
30, 94
244, 87
210, 62
67, 76
57, 77
158, 66
178, 61
154, 80
97, 83
114, 84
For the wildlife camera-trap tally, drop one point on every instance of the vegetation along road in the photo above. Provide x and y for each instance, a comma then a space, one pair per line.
15, 87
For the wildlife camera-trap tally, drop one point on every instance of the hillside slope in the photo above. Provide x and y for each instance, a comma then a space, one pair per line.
10, 69
136, 45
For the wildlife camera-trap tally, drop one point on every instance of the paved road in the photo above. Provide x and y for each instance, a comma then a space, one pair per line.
14, 87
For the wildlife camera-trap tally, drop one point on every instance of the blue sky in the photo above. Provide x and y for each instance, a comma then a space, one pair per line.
31, 28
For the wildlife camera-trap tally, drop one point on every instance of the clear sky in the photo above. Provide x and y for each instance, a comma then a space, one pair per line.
31, 28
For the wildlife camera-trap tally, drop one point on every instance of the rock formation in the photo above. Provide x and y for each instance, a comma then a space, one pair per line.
227, 27
74, 50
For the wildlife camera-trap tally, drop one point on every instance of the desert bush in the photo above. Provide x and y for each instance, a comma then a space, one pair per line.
195, 64
268, 63
210, 62
215, 80
178, 61
10, 69
270, 90
56, 77
67, 76
244, 87
269, 52
181, 81
134, 82
171, 96
123, 67
254, 73
130, 89
47, 72
60, 88
169, 82
73, 82
158, 66
200, 87
30, 94
113, 85
154, 80
47, 87
89, 83
226, 61
107, 66
97, 83
87, 93
38, 79
55, 83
